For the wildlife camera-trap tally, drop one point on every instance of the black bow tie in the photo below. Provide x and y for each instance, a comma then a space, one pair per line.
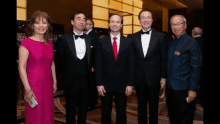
77, 36
147, 32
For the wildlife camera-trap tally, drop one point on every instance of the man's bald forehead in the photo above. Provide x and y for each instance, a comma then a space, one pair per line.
196, 29
181, 16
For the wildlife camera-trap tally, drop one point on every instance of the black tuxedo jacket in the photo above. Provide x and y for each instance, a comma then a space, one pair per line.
67, 59
94, 43
153, 66
115, 75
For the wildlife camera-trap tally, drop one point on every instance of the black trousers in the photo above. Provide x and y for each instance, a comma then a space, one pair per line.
180, 112
120, 103
75, 99
144, 94
92, 92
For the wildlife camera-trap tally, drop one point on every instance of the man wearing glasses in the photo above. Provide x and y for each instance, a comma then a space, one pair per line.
183, 71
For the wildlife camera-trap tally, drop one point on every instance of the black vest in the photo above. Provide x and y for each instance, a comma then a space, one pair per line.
82, 67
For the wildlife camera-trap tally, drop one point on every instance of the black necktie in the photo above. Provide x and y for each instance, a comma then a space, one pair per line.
147, 32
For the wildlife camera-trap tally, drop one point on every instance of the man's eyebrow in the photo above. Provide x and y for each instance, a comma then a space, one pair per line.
81, 17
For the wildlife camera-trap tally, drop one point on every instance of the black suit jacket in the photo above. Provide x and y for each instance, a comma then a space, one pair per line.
94, 43
115, 75
200, 42
67, 59
153, 66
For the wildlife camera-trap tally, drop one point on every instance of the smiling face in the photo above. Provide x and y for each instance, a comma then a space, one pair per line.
146, 19
115, 23
40, 26
178, 25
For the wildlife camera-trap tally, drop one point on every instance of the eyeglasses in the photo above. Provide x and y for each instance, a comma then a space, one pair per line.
178, 24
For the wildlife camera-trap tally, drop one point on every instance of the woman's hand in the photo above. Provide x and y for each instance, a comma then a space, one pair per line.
28, 96
54, 88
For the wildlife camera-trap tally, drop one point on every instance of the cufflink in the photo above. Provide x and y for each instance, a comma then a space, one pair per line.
91, 46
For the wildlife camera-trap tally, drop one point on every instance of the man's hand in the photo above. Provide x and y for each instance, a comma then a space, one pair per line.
191, 95
101, 90
92, 69
128, 90
162, 83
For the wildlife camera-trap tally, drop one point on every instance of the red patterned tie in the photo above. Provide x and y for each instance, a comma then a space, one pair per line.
115, 48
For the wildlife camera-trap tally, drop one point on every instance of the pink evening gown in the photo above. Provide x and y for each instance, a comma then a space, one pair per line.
40, 79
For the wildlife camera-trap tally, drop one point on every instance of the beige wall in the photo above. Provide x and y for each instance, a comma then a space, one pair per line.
60, 11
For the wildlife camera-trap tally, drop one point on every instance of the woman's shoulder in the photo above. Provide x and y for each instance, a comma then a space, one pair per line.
49, 42
26, 41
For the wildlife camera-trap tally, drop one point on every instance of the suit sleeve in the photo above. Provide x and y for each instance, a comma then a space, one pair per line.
163, 56
96, 43
131, 64
195, 66
98, 64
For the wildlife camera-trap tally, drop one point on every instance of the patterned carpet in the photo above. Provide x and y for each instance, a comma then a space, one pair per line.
94, 116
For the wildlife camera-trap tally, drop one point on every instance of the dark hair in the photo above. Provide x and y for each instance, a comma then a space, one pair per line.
76, 13
145, 10
29, 29
116, 14
91, 21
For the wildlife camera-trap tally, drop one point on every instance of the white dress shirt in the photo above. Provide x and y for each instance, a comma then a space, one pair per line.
80, 46
145, 40
117, 40
88, 31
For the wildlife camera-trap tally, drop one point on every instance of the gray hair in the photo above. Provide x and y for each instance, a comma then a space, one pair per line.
184, 19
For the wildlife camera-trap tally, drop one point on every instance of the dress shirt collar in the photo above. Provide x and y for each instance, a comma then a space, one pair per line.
147, 30
88, 31
78, 34
197, 36
181, 37
117, 36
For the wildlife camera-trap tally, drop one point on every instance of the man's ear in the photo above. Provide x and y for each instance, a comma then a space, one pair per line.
72, 22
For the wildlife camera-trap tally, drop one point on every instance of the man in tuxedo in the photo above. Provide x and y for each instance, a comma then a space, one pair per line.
114, 71
150, 67
73, 55
92, 96
183, 72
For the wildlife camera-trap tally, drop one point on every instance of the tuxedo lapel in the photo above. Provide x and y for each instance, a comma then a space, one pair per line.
139, 45
88, 48
71, 43
153, 41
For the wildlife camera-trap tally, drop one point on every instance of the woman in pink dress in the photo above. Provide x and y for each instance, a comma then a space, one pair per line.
37, 70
